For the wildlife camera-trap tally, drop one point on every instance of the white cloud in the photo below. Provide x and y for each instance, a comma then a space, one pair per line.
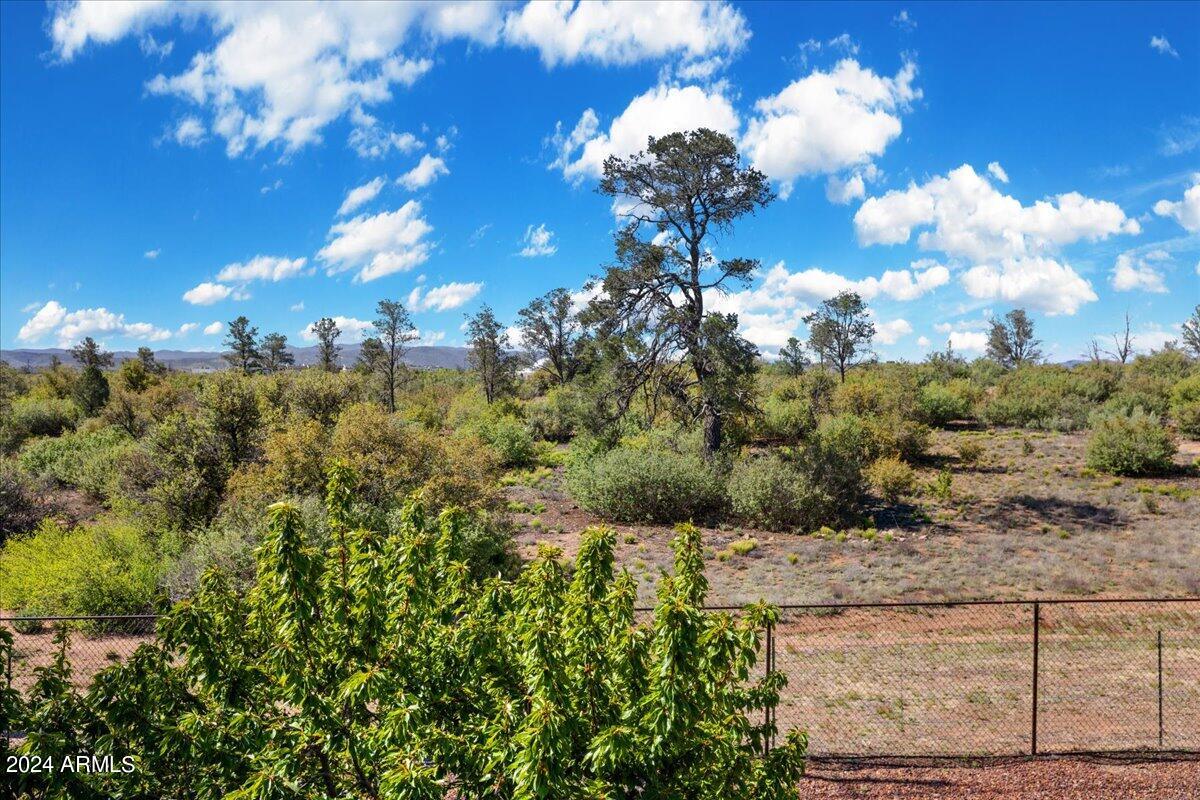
971, 219
424, 173
893, 331
429, 338
188, 132
152, 47
538, 241
661, 110
352, 330
279, 73
297, 306
1132, 272
1153, 337
207, 293
968, 341
826, 122
904, 21
262, 268
443, 298
625, 33
152, 254
1035, 281
213, 328
781, 288
371, 140
843, 191
360, 195
271, 187
1186, 211
71, 326
188, 327
379, 245
923, 341
996, 171
1163, 46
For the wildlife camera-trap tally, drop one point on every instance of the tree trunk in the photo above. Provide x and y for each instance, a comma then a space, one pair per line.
712, 431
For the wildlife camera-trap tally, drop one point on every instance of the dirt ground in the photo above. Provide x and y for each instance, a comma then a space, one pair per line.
1045, 779
1027, 520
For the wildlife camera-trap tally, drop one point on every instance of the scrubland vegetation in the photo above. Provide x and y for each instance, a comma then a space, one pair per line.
379, 634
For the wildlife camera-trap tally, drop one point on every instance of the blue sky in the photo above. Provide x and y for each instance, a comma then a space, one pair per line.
166, 168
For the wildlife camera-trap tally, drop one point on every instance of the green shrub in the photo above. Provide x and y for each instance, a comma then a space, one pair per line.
176, 475
634, 484
969, 451
1185, 406
786, 418
105, 568
834, 459
29, 417
554, 416
1130, 444
510, 439
318, 395
942, 487
940, 403
21, 508
1048, 397
775, 495
87, 460
892, 478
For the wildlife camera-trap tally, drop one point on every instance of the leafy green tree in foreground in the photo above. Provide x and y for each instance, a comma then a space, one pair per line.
377, 668
91, 390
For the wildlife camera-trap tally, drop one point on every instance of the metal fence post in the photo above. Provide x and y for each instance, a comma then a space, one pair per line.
768, 659
1160, 692
1033, 733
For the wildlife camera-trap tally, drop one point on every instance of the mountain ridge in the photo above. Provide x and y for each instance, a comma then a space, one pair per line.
423, 357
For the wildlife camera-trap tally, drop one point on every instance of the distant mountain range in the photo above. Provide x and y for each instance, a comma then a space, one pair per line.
207, 361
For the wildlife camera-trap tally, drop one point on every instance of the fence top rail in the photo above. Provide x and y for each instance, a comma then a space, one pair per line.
780, 606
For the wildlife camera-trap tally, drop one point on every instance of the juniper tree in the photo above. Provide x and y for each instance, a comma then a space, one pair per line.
678, 195
91, 388
490, 354
792, 357
327, 333
1011, 342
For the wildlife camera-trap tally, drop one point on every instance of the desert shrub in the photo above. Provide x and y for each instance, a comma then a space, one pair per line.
895, 436
321, 396
969, 451
940, 403
91, 390
1126, 400
176, 475
1185, 406
834, 458
108, 567
636, 484
1130, 444
229, 404
29, 417
786, 417
554, 416
21, 507
293, 463
510, 439
892, 478
578, 690
1045, 396
883, 390
87, 460
773, 494
942, 486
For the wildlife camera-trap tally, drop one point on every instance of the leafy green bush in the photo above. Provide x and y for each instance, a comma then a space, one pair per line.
835, 457
21, 509
578, 696
87, 460
1130, 444
1185, 406
940, 403
108, 567
554, 416
176, 475
634, 484
969, 451
773, 494
892, 478
510, 439
30, 416
1045, 396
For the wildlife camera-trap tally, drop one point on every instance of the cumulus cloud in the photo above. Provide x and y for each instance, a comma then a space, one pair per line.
188, 132
968, 341
538, 241
424, 173
261, 268
378, 245
826, 122
360, 195
892, 331
443, 298
68, 327
661, 110
1035, 281
1132, 272
779, 286
207, 293
624, 33
904, 21
152, 254
996, 171
1163, 46
352, 330
1186, 211
188, 327
371, 139
213, 328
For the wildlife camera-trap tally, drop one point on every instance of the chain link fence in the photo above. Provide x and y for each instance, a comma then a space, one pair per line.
909, 679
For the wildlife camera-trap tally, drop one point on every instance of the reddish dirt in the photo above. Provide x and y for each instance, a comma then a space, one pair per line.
1048, 779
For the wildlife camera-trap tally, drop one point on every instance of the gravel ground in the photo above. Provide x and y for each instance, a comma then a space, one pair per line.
1089, 778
